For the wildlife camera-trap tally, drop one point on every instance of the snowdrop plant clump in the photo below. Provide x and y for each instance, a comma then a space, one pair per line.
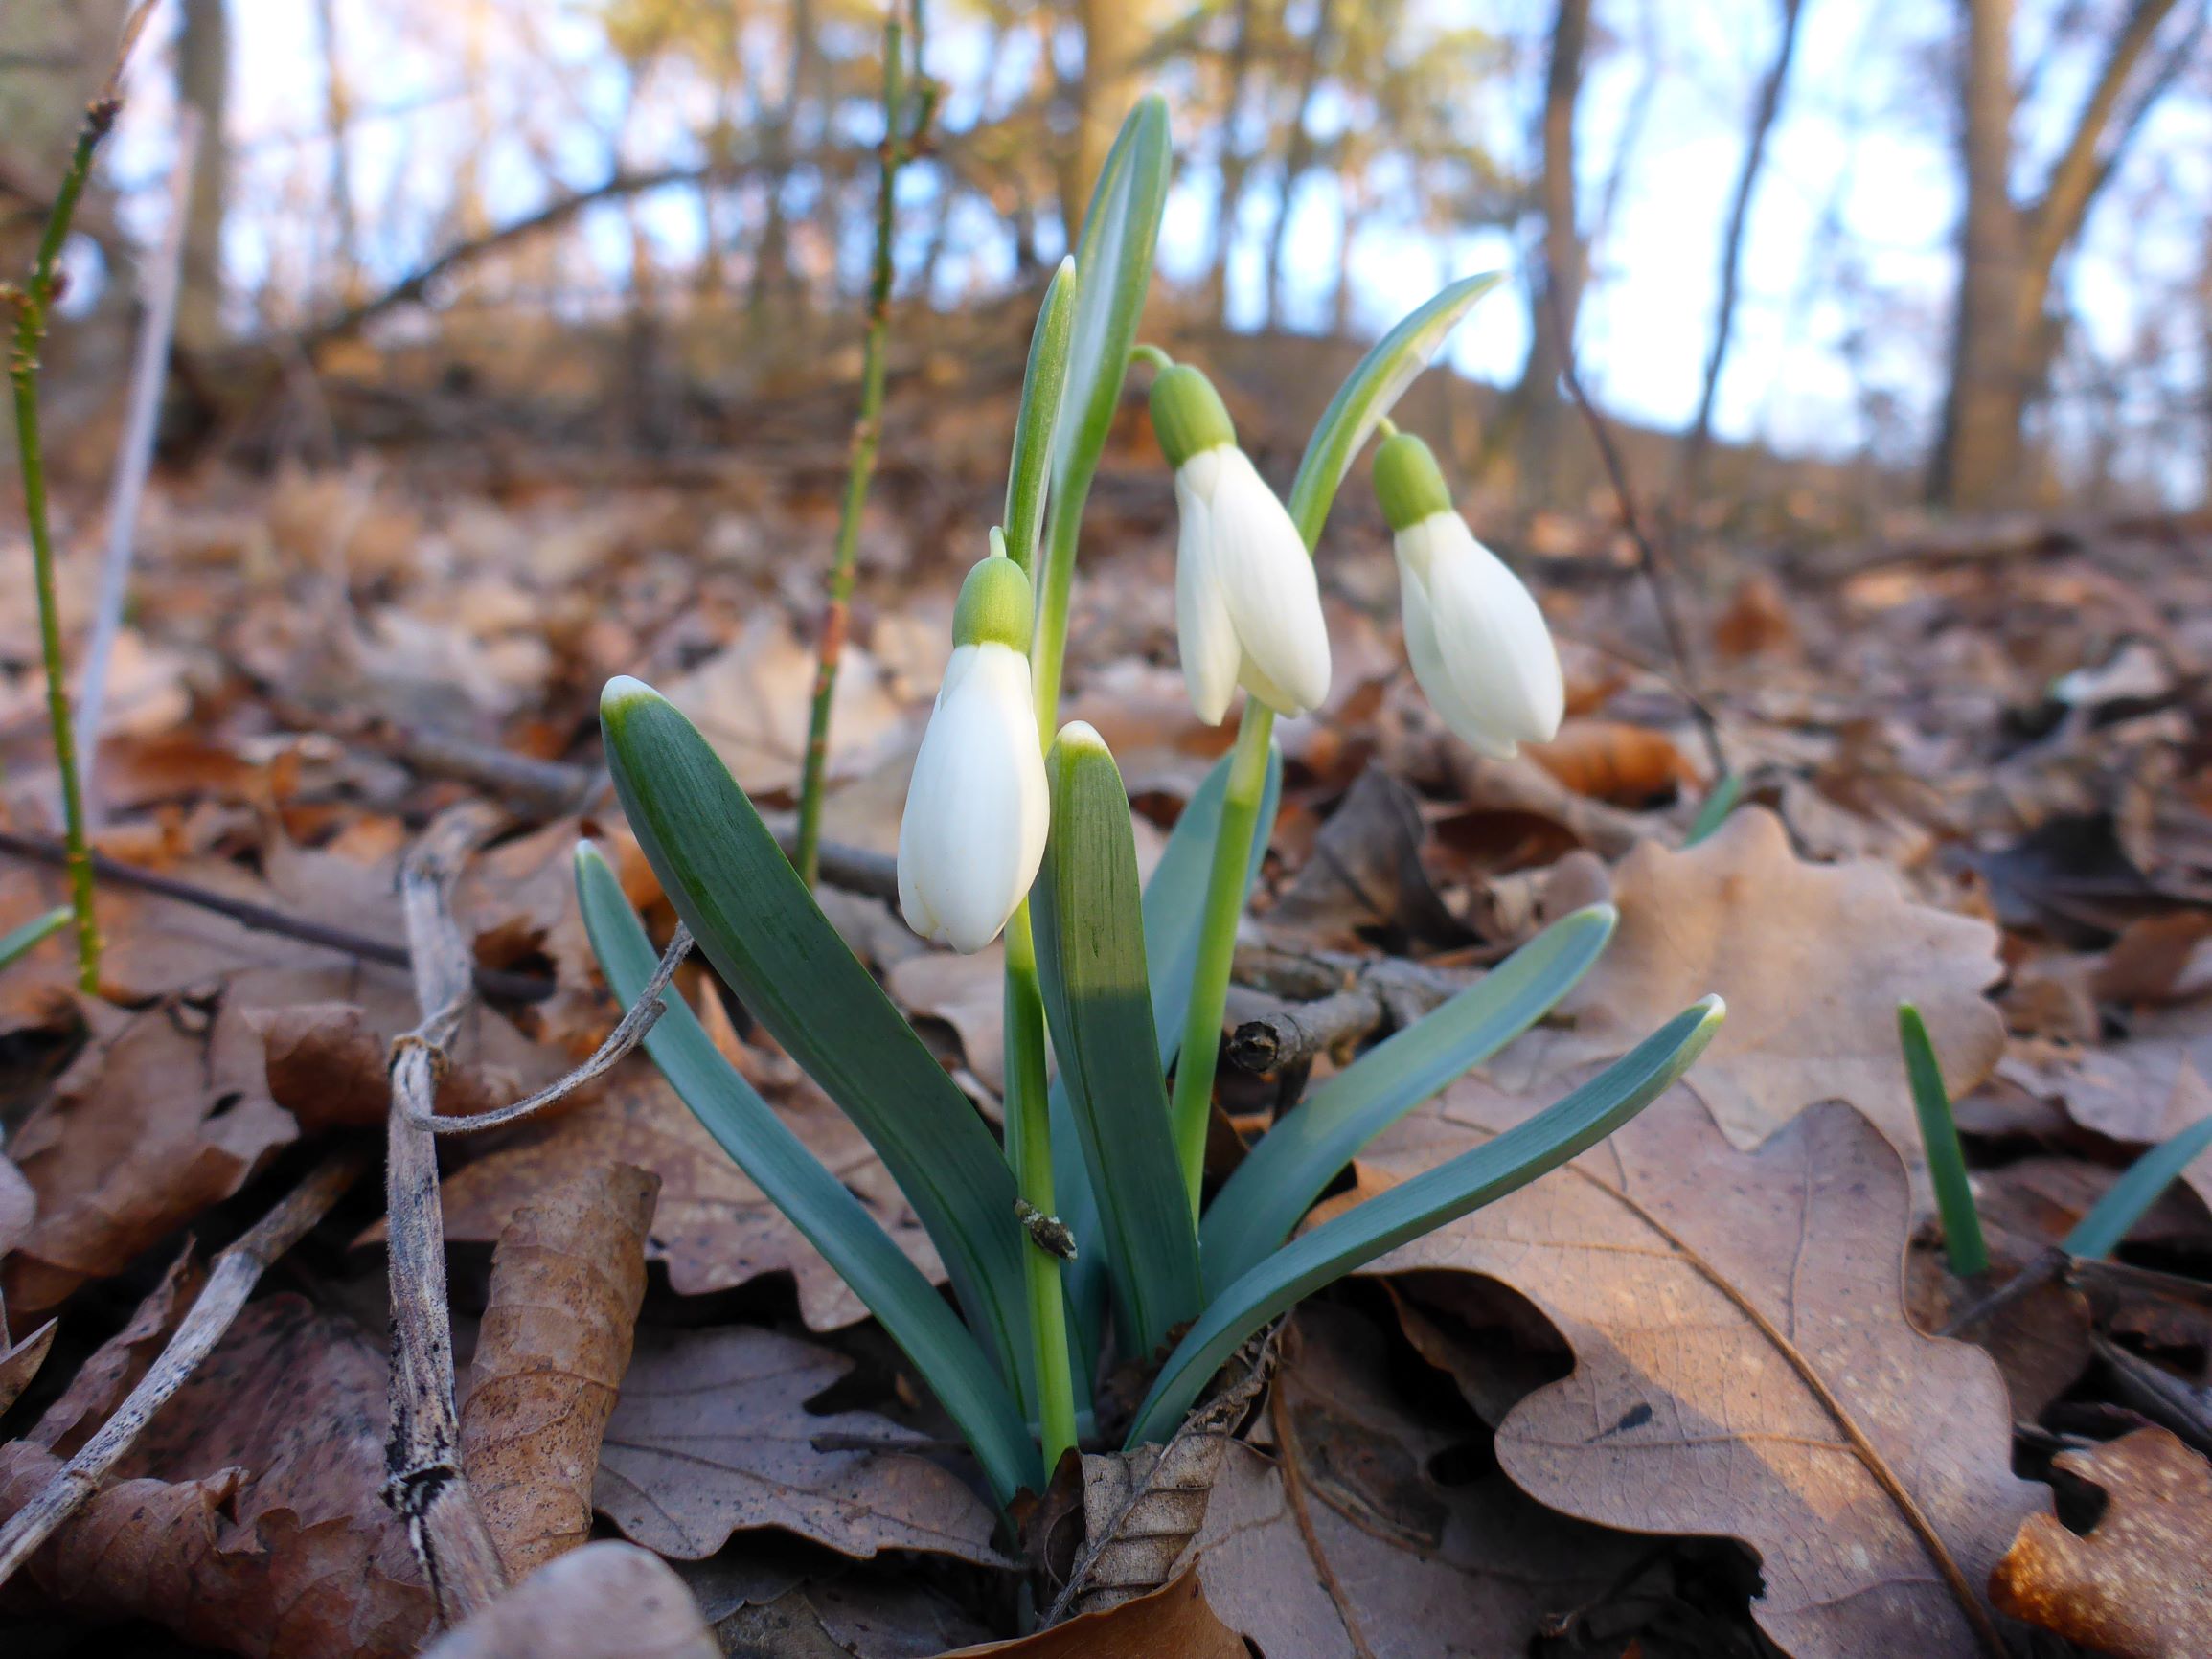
1084, 1236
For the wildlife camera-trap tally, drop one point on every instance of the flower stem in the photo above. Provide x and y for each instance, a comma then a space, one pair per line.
860, 465
1029, 1150
1225, 885
31, 305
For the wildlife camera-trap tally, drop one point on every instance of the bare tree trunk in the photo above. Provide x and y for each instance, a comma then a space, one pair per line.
338, 117
1233, 166
1112, 35
1298, 156
771, 264
1536, 409
1347, 233
2000, 343
203, 73
1692, 483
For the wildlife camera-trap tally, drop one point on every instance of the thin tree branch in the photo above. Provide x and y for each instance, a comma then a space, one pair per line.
2052, 221
231, 1279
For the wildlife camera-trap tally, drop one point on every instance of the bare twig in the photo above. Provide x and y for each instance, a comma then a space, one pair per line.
425, 1485
1647, 554
261, 919
134, 460
231, 1279
543, 789
1382, 994
898, 143
640, 1018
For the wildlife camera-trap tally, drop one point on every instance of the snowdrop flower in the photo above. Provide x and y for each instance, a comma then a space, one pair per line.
1479, 643
1248, 605
977, 809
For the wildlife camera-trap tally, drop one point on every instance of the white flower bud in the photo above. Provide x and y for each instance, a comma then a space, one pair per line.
978, 808
1248, 602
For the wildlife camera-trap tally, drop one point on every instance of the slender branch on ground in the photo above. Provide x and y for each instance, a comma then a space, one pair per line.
231, 1279
1653, 565
898, 143
638, 1019
426, 1487
134, 457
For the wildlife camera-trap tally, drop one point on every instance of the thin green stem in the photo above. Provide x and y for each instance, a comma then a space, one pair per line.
1225, 881
33, 304
860, 465
1029, 1150
1144, 351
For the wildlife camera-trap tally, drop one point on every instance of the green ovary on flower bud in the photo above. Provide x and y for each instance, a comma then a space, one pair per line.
1188, 414
1408, 482
996, 606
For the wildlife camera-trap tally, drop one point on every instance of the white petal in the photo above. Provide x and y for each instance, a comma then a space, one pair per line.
1269, 583
976, 812
1205, 637
1467, 722
1491, 646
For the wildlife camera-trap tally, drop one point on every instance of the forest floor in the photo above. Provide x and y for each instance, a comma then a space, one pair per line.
1682, 1400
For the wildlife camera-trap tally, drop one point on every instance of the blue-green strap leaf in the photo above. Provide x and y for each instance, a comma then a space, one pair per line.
1043, 388
2113, 1216
1091, 955
1415, 1206
817, 1203
1280, 1178
1367, 394
22, 941
765, 934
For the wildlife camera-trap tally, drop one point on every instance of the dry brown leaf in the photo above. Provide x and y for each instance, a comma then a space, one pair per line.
1812, 961
1346, 1529
714, 1228
1744, 1364
166, 1112
117, 1365
969, 994
2141, 1093
1172, 1623
605, 1600
18, 1206
1613, 760
2135, 1586
567, 1280
712, 1436
1365, 877
247, 1516
19, 1362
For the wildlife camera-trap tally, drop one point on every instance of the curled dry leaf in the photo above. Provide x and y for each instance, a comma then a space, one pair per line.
1812, 961
713, 1228
712, 1436
1613, 760
19, 1362
247, 1516
166, 1112
1744, 1366
1172, 1620
2135, 1586
1365, 876
1342, 1543
605, 1600
566, 1283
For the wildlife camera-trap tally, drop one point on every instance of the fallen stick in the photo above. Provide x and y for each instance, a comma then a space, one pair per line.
231, 1279
1385, 992
426, 1487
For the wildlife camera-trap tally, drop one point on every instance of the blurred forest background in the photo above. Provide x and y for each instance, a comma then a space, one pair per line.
1820, 258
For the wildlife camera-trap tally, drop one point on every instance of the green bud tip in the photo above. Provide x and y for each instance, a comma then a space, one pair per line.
1408, 482
623, 690
994, 606
1188, 414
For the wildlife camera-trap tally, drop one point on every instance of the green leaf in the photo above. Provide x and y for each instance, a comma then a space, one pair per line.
1716, 807
1428, 1200
22, 941
762, 929
1962, 1238
1367, 394
1090, 958
1043, 386
1174, 897
1305, 1151
818, 1204
2114, 1215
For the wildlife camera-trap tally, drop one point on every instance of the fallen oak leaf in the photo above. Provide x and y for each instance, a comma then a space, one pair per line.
1173, 1620
2133, 1586
20, 1362
567, 1280
1613, 760
712, 1436
1745, 1365
1812, 960
116, 1366
605, 1600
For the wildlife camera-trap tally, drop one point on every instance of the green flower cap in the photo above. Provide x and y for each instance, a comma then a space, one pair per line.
1188, 414
1408, 482
994, 606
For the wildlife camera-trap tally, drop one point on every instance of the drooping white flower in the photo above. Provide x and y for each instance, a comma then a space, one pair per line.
978, 808
1476, 637
1247, 603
